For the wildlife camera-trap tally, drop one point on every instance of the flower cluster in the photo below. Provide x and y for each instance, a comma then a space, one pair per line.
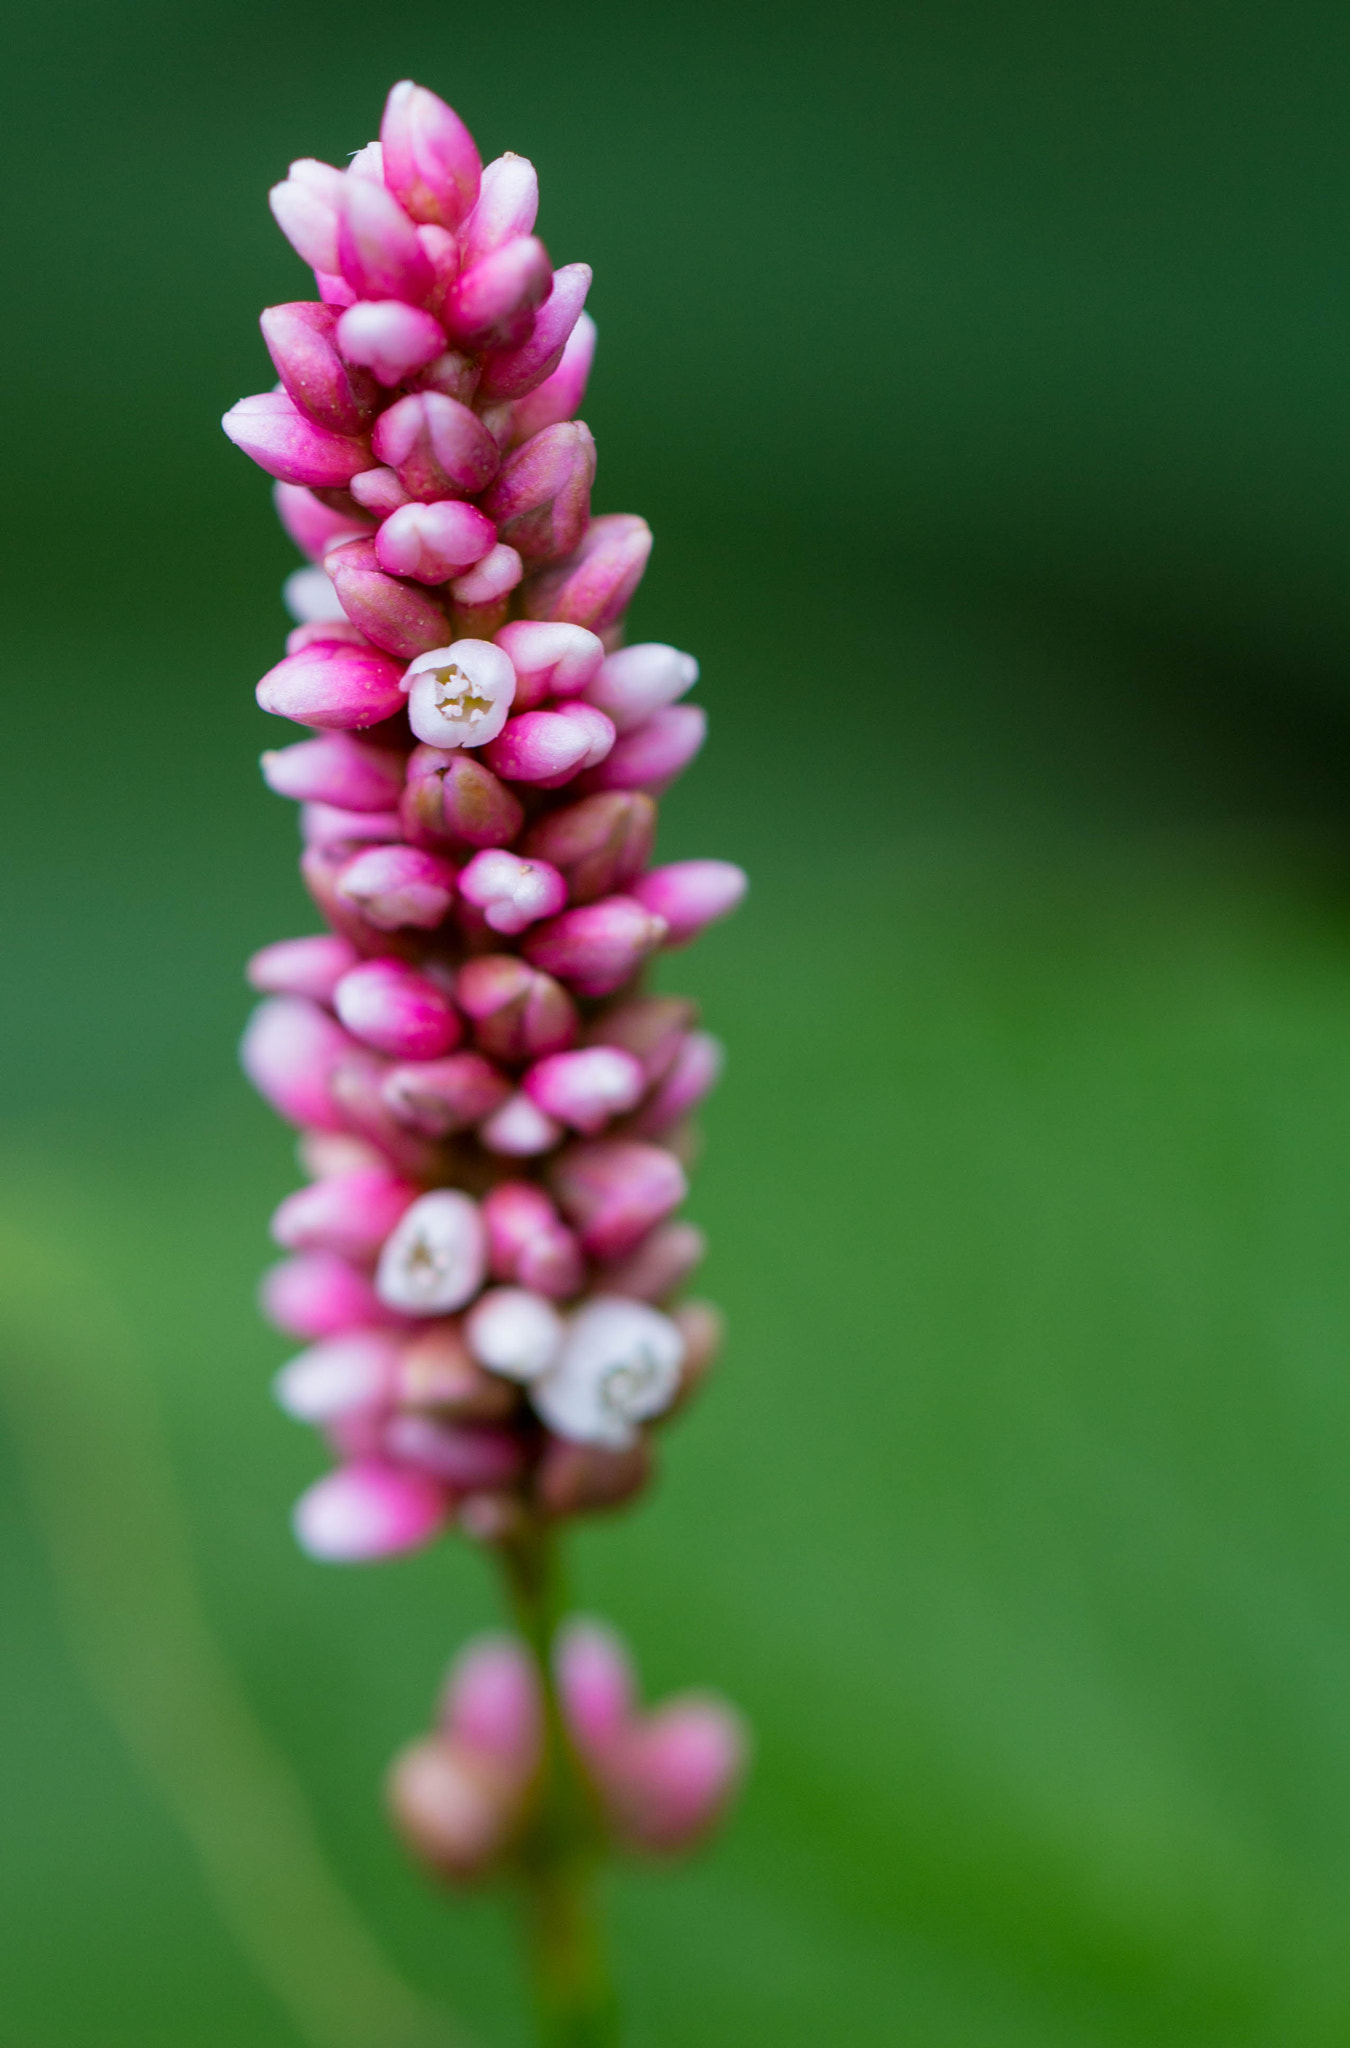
494, 1110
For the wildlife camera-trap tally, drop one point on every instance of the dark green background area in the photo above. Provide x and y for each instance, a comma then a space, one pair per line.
982, 370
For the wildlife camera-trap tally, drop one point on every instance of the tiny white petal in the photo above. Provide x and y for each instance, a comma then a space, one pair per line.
619, 1364
436, 1258
459, 696
514, 1332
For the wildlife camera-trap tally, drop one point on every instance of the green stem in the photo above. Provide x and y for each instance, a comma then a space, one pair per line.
557, 1863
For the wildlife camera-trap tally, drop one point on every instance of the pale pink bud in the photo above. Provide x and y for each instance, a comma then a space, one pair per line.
389, 338
358, 1091
347, 1375
276, 434
528, 1241
549, 660
378, 250
592, 586
453, 374
289, 1049
703, 1330
619, 1365
596, 947
459, 696
318, 1294
379, 492
308, 967
400, 617
652, 1028
336, 770
323, 1152
615, 1190
314, 527
435, 1371
314, 632
585, 1478
512, 372
691, 894
492, 304
443, 1095
490, 1701
559, 396
393, 886
693, 1074
598, 845
517, 1013
300, 341
489, 580
321, 870
458, 1811
550, 747
430, 161
586, 1088
519, 1129
675, 1775
390, 1006
436, 1259
541, 496
350, 1213
639, 680
334, 289
434, 542
508, 201
369, 1510
439, 448
464, 1458
658, 1265
451, 795
305, 207
597, 1683
326, 825
333, 685
513, 1332
511, 893
310, 598
654, 753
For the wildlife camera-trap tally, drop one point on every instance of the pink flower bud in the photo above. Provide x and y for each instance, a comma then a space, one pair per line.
369, 1510
333, 685
597, 1683
592, 586
300, 341
508, 201
289, 1049
323, 1152
652, 1028
321, 870
637, 681
675, 1775
444, 1095
488, 581
692, 1075
390, 1006
513, 1332
319, 1294
619, 1365
326, 825
596, 947
511, 893
459, 696
314, 527
343, 1376
463, 1457
389, 338
519, 1129
358, 1091
456, 1810
529, 1243
334, 289
368, 163
658, 1265
314, 632
436, 1259
541, 496
276, 434
439, 448
393, 886
517, 1013
550, 660
379, 492
585, 1478
586, 1088
302, 967
430, 161
559, 396
305, 207
613, 1191
453, 373
598, 845
336, 770
512, 372
550, 747
310, 598
349, 1213
378, 250
401, 617
434, 542
492, 304
435, 1371
490, 1701
691, 894
654, 753
451, 795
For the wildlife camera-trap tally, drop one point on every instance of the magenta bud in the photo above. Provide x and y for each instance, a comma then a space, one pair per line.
326, 825
519, 1129
481, 594
508, 201
400, 617
453, 374
675, 1775
390, 1006
379, 492
596, 947
439, 448
596, 1679
318, 1294
592, 586
289, 1050
430, 161
492, 304
490, 1701
528, 1242
389, 338
458, 1811
653, 754
393, 886
615, 1190
559, 396
658, 1265
436, 1259
517, 1013
599, 845
587, 1478
693, 1074
302, 967
547, 747
305, 207
272, 429
313, 633
368, 1510
587, 1087
320, 870
323, 1152
358, 1091
652, 1028
333, 685
378, 250
541, 496
637, 681
300, 341
465, 1457
434, 542
512, 372
511, 893
348, 1213
439, 1096
691, 894
550, 660
336, 770
334, 289
451, 795
314, 527
344, 1376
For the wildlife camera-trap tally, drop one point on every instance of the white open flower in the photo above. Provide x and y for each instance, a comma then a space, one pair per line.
514, 1332
619, 1364
436, 1258
459, 696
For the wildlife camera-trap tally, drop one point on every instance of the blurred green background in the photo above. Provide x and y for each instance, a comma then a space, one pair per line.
982, 370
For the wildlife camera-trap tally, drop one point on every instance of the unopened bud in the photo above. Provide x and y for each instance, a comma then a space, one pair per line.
529, 1243
369, 1510
439, 447
456, 1810
453, 374
508, 201
482, 595
492, 303
451, 795
596, 947
333, 685
434, 542
305, 208
393, 886
599, 845
541, 496
691, 894
585, 1088
592, 586
513, 1332
318, 1294
289, 1050
652, 1028
549, 747
436, 1259
310, 598
350, 1213
510, 892
675, 1775
615, 1190
639, 680
550, 660
559, 396
389, 338
519, 1129
301, 339
403, 618
378, 250
517, 1012
588, 1478
465, 1457
390, 1006
436, 1370
336, 770
459, 695
431, 162
439, 1096
692, 1075
379, 492
512, 372
342, 1376
660, 1263
653, 753
310, 967
314, 527
272, 430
